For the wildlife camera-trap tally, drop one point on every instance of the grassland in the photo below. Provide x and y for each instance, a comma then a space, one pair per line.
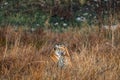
24, 55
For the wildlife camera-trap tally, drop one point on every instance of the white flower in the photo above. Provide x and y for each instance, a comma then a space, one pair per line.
6, 3
90, 14
33, 29
64, 24
97, 5
80, 18
95, 17
37, 24
85, 14
56, 23
1, 7
61, 18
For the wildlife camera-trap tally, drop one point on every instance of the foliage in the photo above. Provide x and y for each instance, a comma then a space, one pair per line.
36, 12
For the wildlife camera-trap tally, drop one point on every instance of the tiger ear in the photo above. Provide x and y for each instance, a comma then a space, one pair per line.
65, 44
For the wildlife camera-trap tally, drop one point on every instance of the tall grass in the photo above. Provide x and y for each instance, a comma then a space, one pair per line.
24, 55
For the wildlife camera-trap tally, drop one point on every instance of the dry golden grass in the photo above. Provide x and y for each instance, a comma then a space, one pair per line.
25, 56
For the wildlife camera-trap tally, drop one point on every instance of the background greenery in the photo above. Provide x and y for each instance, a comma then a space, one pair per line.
40, 13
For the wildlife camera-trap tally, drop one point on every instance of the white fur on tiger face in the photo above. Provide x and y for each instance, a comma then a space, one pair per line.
60, 55
59, 51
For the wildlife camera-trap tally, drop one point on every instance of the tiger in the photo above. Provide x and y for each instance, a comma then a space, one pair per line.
60, 55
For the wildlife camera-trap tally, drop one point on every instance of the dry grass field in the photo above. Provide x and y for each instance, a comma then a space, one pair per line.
24, 55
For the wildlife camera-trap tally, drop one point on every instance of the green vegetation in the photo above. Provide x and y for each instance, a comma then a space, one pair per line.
63, 13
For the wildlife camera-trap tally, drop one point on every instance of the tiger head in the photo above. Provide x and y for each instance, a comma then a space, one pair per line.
59, 52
